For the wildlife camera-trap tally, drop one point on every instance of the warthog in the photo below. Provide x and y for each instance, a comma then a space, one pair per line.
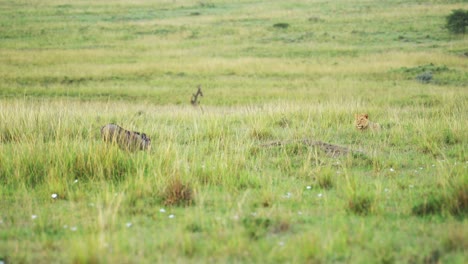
129, 140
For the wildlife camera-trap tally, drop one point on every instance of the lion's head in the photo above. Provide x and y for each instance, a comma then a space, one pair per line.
362, 121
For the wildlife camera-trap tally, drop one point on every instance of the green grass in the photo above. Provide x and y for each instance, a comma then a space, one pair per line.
209, 190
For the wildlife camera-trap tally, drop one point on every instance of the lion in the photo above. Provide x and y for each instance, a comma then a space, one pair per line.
363, 123
129, 140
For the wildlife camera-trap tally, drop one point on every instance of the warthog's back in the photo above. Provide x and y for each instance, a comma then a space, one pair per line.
126, 139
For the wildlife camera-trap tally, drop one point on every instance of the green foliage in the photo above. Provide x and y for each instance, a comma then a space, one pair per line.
214, 187
459, 200
431, 73
457, 21
424, 77
256, 227
433, 204
324, 178
454, 201
360, 204
425, 68
281, 25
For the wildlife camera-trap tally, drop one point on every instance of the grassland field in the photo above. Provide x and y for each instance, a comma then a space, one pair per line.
213, 187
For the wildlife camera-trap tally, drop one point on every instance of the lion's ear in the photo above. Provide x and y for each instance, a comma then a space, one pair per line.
366, 116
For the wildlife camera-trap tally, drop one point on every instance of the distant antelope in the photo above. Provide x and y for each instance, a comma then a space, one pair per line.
194, 101
129, 140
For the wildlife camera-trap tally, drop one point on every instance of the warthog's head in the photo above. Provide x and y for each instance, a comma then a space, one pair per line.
136, 140
145, 142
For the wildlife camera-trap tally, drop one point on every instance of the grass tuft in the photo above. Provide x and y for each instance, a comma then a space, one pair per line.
178, 193
460, 201
325, 178
256, 228
281, 25
434, 204
454, 202
360, 204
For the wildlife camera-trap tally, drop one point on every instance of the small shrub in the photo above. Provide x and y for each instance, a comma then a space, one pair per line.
457, 22
267, 200
424, 73
177, 193
424, 77
460, 201
314, 19
430, 206
433, 257
449, 137
256, 227
324, 178
360, 204
194, 228
455, 203
281, 25
325, 181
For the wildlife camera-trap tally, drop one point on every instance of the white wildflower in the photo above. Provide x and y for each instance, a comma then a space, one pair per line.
162, 210
54, 196
33, 216
129, 224
171, 216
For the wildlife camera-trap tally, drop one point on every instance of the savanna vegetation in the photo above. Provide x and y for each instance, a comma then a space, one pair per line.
241, 176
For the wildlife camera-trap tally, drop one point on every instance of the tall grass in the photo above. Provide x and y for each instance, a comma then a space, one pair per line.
235, 192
